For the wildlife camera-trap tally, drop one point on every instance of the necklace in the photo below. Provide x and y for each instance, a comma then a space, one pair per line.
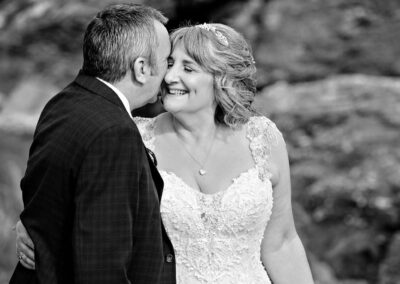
202, 170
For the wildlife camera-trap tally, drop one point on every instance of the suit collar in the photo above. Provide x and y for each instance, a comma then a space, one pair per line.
121, 96
97, 87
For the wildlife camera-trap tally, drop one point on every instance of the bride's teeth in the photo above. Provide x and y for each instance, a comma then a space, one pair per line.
177, 92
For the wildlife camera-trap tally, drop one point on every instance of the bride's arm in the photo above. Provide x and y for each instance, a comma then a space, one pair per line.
282, 251
25, 246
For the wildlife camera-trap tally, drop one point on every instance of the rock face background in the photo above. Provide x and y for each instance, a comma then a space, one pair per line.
327, 75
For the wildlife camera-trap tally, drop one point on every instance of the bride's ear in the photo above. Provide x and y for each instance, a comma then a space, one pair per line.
141, 70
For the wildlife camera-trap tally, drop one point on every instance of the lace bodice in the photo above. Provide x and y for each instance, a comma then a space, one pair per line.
217, 237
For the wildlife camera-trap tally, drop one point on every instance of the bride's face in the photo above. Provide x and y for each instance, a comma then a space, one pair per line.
187, 87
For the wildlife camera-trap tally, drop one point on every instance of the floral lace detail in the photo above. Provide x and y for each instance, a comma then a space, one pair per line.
262, 134
217, 237
146, 128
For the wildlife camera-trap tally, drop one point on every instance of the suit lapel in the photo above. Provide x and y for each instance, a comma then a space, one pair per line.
158, 181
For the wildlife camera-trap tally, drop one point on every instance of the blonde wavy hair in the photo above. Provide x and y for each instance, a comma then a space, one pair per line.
223, 52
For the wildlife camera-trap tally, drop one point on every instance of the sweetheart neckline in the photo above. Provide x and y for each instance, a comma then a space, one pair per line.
219, 192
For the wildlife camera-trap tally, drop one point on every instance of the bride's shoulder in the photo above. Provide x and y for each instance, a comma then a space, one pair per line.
142, 120
263, 132
144, 123
147, 125
262, 125
267, 145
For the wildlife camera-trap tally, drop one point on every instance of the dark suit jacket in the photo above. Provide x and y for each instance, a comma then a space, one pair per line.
91, 195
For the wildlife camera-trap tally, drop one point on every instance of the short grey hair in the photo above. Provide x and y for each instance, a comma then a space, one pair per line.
116, 37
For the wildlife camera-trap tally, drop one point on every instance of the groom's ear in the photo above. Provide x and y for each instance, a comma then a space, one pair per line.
141, 70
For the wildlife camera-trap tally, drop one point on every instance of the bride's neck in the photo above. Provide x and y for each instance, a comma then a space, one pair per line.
194, 129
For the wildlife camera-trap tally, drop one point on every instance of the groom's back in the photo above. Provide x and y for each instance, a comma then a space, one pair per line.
68, 124
51, 187
70, 121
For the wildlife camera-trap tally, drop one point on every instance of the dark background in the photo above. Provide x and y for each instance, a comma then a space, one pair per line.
328, 75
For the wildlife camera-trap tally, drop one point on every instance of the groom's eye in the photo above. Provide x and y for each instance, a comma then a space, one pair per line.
170, 63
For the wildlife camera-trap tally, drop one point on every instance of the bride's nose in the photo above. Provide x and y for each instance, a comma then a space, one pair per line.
171, 76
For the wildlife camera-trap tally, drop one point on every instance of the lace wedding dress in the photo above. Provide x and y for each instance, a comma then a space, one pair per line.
217, 237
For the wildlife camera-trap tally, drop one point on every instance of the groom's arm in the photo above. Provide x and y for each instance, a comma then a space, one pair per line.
106, 200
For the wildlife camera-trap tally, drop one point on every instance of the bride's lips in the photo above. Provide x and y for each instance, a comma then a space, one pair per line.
176, 92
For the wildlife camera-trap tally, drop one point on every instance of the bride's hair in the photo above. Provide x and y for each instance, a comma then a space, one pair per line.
223, 52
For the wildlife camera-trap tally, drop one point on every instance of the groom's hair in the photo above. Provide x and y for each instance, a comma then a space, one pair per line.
116, 37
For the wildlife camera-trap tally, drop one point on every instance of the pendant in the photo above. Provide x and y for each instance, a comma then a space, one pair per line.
202, 172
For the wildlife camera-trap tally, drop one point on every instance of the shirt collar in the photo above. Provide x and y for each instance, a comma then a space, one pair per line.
121, 96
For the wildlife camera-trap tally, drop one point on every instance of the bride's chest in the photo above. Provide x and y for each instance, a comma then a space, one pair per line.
209, 171
242, 207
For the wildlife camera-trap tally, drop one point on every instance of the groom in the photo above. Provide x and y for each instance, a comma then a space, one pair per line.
91, 192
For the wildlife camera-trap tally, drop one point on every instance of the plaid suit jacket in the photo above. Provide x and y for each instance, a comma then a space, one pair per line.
91, 195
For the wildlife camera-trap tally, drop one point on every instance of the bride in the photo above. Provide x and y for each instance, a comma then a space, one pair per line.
226, 203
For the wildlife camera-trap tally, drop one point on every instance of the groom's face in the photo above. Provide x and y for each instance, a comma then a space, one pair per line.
161, 54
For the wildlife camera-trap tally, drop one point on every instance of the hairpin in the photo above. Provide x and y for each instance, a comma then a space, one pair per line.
221, 38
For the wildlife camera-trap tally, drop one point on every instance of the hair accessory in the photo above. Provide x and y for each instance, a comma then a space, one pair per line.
221, 38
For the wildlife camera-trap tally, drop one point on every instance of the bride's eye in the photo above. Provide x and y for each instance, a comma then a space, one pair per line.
188, 69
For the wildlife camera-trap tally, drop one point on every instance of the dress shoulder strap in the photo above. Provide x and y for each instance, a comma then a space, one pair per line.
146, 128
263, 135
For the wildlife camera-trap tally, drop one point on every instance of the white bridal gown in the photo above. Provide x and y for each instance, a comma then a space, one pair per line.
217, 237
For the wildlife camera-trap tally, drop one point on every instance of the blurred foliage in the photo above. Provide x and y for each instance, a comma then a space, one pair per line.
342, 135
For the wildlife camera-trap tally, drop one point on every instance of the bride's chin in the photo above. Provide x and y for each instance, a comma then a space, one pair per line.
171, 108
172, 104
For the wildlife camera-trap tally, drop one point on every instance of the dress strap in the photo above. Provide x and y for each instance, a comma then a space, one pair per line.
262, 134
146, 128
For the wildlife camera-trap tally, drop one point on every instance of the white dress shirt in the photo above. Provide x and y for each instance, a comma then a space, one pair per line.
120, 95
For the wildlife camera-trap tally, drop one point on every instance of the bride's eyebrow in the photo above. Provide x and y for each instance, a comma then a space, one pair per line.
189, 62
